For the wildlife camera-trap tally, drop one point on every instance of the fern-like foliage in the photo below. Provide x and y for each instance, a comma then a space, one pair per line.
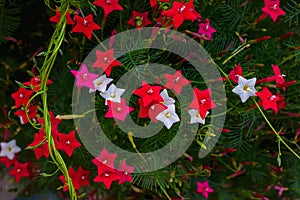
292, 8
9, 19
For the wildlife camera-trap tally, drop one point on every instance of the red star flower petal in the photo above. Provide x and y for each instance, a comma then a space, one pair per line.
272, 9
31, 112
20, 170
35, 83
106, 61
105, 159
22, 97
175, 82
117, 110
149, 93
7, 162
235, 73
202, 101
56, 17
67, 142
107, 176
79, 178
108, 5
139, 19
269, 100
40, 145
125, 172
85, 25
279, 78
180, 12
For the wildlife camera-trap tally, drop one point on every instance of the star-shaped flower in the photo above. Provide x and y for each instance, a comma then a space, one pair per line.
245, 88
195, 116
168, 116
278, 76
56, 17
108, 5
180, 12
104, 159
206, 29
125, 172
40, 145
167, 99
139, 20
204, 189
22, 96
84, 77
117, 110
20, 170
9, 149
35, 83
235, 73
202, 101
149, 93
112, 94
79, 178
106, 61
269, 100
67, 142
85, 25
101, 83
31, 112
280, 189
175, 81
107, 176
272, 9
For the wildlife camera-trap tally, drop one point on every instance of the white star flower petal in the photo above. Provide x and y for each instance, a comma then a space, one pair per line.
9, 149
112, 94
195, 116
167, 99
245, 88
101, 83
168, 116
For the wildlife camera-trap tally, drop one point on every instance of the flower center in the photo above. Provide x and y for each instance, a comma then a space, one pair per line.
119, 109
84, 77
272, 98
112, 95
9, 149
85, 22
246, 88
104, 162
108, 1
68, 142
18, 170
105, 60
21, 95
150, 91
82, 177
37, 80
274, 7
203, 101
197, 115
152, 107
126, 173
168, 115
180, 10
282, 76
107, 175
206, 27
99, 83
176, 79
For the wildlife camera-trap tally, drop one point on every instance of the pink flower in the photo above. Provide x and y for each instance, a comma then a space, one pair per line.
204, 189
84, 77
105, 159
118, 110
280, 189
272, 9
206, 29
176, 81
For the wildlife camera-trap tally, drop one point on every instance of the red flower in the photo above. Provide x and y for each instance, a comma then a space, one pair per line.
151, 110
56, 17
202, 101
85, 25
149, 93
31, 111
175, 82
106, 175
40, 144
204, 188
272, 9
21, 97
139, 19
235, 73
124, 173
79, 178
20, 170
180, 12
108, 5
7, 162
54, 121
104, 159
118, 110
278, 76
67, 142
35, 83
269, 100
106, 61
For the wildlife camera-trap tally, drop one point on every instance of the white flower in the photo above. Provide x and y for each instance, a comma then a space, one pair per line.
113, 94
9, 149
167, 100
195, 116
245, 88
168, 116
101, 83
